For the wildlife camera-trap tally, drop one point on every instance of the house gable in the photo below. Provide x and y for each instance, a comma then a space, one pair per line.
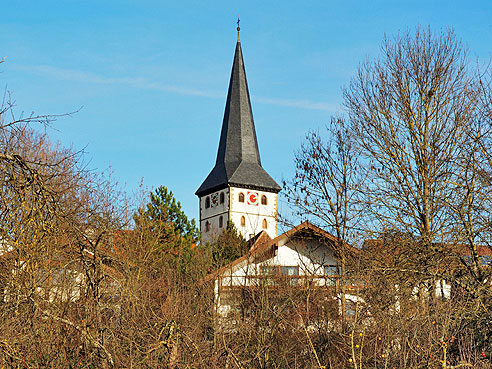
306, 246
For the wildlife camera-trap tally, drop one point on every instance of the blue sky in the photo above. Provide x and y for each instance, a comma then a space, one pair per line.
152, 76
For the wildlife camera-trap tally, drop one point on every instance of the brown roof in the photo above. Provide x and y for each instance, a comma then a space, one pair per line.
259, 240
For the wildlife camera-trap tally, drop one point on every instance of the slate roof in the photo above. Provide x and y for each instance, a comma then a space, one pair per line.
238, 159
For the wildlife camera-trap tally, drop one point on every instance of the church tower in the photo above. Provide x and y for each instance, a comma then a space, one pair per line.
238, 189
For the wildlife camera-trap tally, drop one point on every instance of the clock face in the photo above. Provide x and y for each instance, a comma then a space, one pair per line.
214, 200
253, 198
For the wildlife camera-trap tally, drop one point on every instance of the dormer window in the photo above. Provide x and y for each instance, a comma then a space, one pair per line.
207, 202
264, 200
221, 198
241, 197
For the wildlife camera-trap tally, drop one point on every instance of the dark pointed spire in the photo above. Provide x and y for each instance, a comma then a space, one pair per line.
238, 159
238, 137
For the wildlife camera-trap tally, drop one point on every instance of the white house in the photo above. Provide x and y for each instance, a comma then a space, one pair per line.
302, 256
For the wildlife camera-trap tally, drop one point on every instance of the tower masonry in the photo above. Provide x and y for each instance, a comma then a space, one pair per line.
238, 189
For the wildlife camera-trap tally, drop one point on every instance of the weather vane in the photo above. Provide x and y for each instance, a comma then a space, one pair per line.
238, 28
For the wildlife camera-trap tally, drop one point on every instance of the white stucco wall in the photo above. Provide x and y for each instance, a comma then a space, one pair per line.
254, 212
310, 256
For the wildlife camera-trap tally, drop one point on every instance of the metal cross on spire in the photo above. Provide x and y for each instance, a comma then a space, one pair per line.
238, 28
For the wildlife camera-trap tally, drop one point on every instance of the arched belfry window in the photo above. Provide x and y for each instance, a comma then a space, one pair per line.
241, 197
264, 200
207, 226
207, 202
221, 222
265, 224
221, 198
243, 221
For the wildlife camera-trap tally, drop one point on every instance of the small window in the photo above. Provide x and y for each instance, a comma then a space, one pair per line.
331, 273
269, 270
207, 226
241, 197
331, 270
289, 270
289, 274
221, 222
243, 221
265, 224
221, 198
264, 200
207, 202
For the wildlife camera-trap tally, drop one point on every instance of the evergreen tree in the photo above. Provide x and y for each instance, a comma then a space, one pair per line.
229, 246
163, 211
163, 224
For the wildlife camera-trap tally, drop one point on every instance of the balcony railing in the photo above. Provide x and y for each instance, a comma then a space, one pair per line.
280, 281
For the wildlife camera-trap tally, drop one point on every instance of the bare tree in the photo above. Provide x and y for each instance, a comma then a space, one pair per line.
327, 185
409, 111
420, 114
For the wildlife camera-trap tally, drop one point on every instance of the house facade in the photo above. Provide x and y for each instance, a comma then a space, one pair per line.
303, 257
